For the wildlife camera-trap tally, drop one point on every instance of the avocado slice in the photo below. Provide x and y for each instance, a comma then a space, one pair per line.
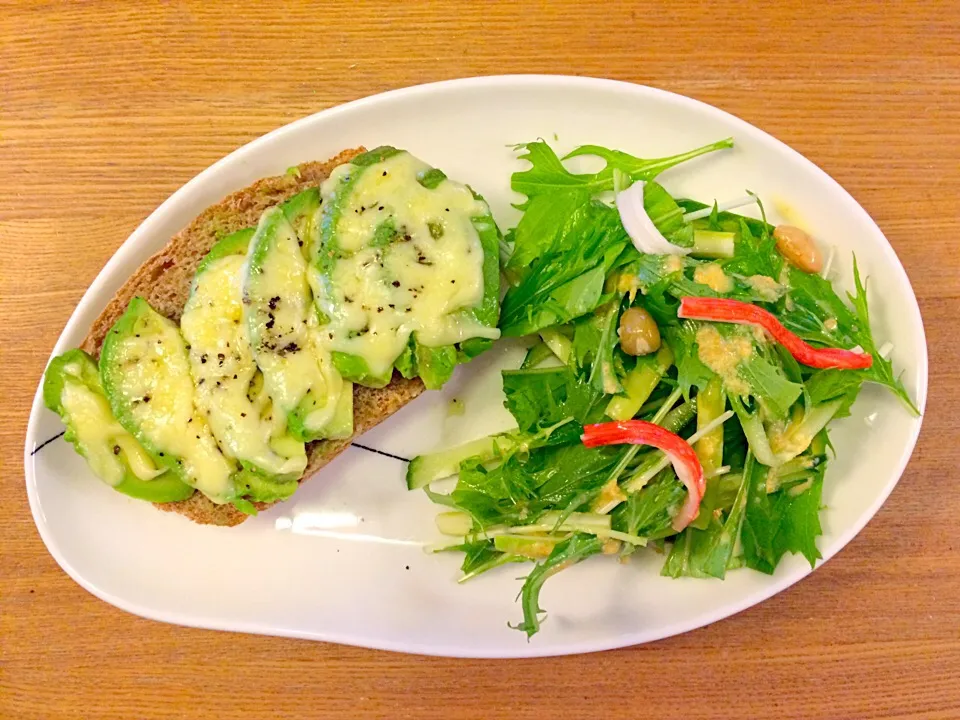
301, 211
298, 373
71, 388
433, 365
355, 369
228, 391
256, 487
404, 270
232, 244
145, 373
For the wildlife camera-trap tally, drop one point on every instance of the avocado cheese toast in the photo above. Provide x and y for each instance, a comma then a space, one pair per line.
222, 358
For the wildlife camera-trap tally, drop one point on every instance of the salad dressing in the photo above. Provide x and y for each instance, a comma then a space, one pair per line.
672, 264
723, 355
713, 276
766, 287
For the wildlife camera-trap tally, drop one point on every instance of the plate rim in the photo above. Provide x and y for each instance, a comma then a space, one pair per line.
775, 586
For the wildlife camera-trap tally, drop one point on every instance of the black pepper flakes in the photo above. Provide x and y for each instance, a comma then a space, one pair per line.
116, 449
396, 283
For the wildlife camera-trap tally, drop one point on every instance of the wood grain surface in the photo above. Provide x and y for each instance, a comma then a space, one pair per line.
108, 107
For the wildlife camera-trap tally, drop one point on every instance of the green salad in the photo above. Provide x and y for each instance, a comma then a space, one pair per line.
684, 366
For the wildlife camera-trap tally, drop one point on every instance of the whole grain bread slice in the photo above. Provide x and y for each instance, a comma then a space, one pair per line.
164, 281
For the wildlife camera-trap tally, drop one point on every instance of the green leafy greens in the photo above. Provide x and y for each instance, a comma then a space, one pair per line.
537, 494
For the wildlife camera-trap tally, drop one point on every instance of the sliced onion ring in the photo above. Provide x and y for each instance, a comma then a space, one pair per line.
644, 234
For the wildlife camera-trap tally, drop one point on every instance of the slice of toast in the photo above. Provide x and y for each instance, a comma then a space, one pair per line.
164, 281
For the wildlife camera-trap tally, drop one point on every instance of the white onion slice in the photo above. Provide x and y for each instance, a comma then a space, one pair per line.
644, 234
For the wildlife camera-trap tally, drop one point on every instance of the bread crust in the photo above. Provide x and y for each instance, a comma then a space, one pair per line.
164, 281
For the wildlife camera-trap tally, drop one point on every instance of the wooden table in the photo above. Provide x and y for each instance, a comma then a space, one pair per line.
106, 108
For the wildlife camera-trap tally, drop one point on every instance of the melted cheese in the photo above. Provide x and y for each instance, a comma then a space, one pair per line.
723, 355
158, 389
425, 265
94, 427
101, 439
280, 320
223, 369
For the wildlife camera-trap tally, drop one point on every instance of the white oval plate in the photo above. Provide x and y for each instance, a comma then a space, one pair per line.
343, 561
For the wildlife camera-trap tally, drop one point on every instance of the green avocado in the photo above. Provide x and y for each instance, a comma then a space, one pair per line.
301, 211
232, 244
256, 487
145, 374
433, 365
355, 369
298, 375
398, 224
71, 388
227, 382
